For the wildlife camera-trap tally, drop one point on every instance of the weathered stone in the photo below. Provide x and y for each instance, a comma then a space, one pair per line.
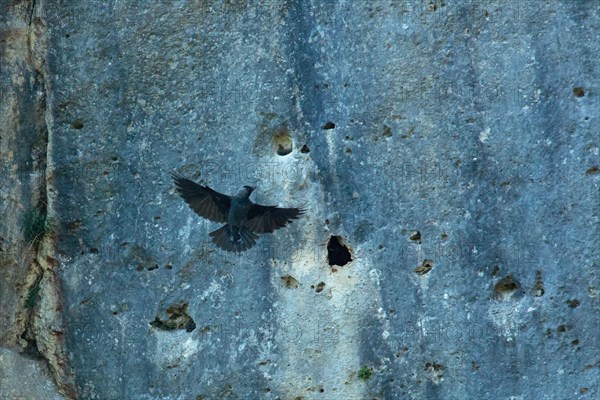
22, 378
474, 124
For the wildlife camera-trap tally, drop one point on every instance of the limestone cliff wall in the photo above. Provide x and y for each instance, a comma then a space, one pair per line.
452, 148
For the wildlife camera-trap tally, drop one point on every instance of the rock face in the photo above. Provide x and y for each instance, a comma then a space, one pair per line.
448, 154
24, 378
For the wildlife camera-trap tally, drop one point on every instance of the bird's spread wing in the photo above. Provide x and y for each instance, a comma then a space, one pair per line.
203, 200
265, 219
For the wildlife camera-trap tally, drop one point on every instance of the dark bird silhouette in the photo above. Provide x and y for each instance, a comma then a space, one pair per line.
244, 219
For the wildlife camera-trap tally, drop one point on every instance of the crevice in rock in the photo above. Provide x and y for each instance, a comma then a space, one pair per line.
28, 342
34, 218
42, 335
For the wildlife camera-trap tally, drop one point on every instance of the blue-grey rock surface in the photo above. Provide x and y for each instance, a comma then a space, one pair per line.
452, 146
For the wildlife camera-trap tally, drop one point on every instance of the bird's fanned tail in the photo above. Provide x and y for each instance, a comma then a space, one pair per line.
235, 242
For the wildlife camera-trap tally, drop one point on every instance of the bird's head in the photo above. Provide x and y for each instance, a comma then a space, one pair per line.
246, 191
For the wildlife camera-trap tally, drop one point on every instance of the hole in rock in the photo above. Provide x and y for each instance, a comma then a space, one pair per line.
579, 91
178, 318
329, 125
320, 286
337, 252
282, 141
387, 131
424, 268
538, 287
416, 236
507, 288
290, 282
77, 124
592, 170
31, 348
506, 284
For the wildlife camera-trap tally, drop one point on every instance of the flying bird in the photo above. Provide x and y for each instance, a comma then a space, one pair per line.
244, 220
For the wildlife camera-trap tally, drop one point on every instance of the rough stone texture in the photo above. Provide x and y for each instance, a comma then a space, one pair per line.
30, 319
20, 142
473, 123
25, 379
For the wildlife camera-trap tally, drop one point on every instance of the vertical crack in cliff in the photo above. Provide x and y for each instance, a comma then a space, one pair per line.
43, 334
36, 217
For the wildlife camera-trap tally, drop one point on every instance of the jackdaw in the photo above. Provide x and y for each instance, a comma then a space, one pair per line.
244, 219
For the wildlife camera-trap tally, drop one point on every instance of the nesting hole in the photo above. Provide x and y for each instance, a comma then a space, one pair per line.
77, 124
282, 142
329, 125
337, 252
304, 149
507, 288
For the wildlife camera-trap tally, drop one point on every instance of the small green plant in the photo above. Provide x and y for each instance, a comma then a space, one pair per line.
365, 373
32, 296
36, 225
